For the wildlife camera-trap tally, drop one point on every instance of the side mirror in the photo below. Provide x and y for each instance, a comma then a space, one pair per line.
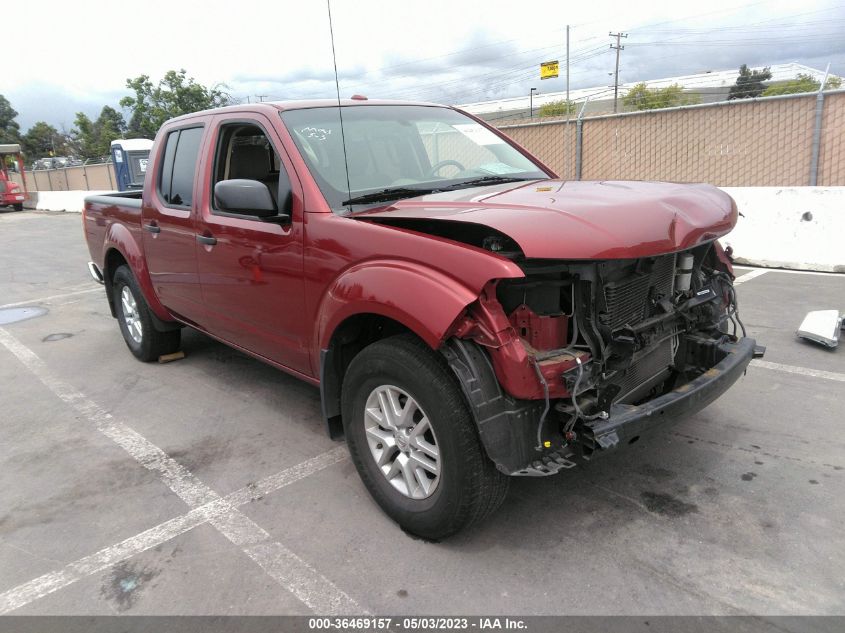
248, 197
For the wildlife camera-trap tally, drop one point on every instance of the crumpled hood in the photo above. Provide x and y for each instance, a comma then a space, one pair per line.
555, 219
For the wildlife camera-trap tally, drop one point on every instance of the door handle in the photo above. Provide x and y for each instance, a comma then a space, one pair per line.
207, 239
152, 228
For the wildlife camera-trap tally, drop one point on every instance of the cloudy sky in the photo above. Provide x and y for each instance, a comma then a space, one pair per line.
77, 55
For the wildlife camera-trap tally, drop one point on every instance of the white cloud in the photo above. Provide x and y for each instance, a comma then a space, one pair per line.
80, 54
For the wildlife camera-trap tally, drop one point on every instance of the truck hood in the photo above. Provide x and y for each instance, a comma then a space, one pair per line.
556, 219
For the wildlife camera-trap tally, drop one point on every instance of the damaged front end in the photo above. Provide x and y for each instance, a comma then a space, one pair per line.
579, 357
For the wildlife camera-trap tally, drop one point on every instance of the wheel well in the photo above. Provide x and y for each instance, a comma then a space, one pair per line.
350, 337
114, 260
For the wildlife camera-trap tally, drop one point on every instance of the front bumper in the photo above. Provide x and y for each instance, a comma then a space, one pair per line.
508, 427
626, 423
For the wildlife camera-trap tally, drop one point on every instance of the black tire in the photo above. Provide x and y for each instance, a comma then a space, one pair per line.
18, 207
153, 343
469, 488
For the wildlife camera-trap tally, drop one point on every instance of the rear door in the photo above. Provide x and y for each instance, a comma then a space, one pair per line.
169, 227
251, 270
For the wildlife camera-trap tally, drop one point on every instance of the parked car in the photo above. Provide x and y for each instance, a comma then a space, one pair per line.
467, 316
56, 162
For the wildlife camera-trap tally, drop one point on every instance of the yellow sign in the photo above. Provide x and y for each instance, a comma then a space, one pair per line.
548, 70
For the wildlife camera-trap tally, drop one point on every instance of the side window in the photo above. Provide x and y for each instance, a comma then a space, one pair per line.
185, 167
176, 182
244, 152
166, 175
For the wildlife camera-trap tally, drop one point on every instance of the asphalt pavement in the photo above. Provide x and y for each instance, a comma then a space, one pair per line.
208, 485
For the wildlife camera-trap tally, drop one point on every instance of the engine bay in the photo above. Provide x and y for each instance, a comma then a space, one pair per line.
592, 335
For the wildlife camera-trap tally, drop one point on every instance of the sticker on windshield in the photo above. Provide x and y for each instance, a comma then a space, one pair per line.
142, 165
496, 168
478, 134
316, 133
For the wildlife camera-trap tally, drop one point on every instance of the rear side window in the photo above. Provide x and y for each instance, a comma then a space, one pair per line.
166, 175
179, 166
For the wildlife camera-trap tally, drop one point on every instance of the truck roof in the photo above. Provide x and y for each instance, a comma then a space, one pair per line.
269, 106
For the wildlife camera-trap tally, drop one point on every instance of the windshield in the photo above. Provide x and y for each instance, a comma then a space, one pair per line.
396, 151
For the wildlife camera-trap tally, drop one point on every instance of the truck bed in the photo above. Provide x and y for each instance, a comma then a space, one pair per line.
122, 198
102, 211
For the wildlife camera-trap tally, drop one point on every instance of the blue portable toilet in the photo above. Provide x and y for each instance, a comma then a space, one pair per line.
130, 158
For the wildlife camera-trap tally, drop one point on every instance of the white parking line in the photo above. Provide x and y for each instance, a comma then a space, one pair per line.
793, 272
802, 371
27, 592
748, 276
52, 298
316, 591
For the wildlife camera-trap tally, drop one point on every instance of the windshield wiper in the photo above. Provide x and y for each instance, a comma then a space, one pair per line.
397, 193
391, 193
486, 180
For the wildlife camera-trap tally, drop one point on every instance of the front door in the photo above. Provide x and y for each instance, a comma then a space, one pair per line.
251, 270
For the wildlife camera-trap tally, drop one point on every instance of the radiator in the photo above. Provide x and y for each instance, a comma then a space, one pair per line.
628, 302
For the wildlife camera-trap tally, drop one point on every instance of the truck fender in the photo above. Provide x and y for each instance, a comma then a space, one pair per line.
119, 238
425, 301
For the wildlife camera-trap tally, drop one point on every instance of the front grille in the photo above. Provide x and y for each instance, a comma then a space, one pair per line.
627, 300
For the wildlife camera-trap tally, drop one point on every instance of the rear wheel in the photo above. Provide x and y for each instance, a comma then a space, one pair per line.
413, 440
136, 321
18, 207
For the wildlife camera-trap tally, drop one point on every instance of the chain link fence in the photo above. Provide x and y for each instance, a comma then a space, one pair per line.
789, 140
96, 176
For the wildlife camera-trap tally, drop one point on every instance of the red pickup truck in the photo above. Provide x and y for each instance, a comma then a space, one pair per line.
467, 316
11, 193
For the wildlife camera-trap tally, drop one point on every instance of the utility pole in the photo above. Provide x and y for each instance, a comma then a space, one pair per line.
531, 102
617, 48
567, 69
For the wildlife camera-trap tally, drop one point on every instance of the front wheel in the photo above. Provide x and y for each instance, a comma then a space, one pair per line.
136, 321
413, 440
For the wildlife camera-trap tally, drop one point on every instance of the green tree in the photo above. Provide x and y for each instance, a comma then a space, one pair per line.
43, 140
749, 83
174, 95
641, 97
557, 108
10, 131
94, 137
802, 83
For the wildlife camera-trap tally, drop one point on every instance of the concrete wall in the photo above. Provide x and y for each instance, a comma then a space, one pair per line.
790, 227
70, 201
